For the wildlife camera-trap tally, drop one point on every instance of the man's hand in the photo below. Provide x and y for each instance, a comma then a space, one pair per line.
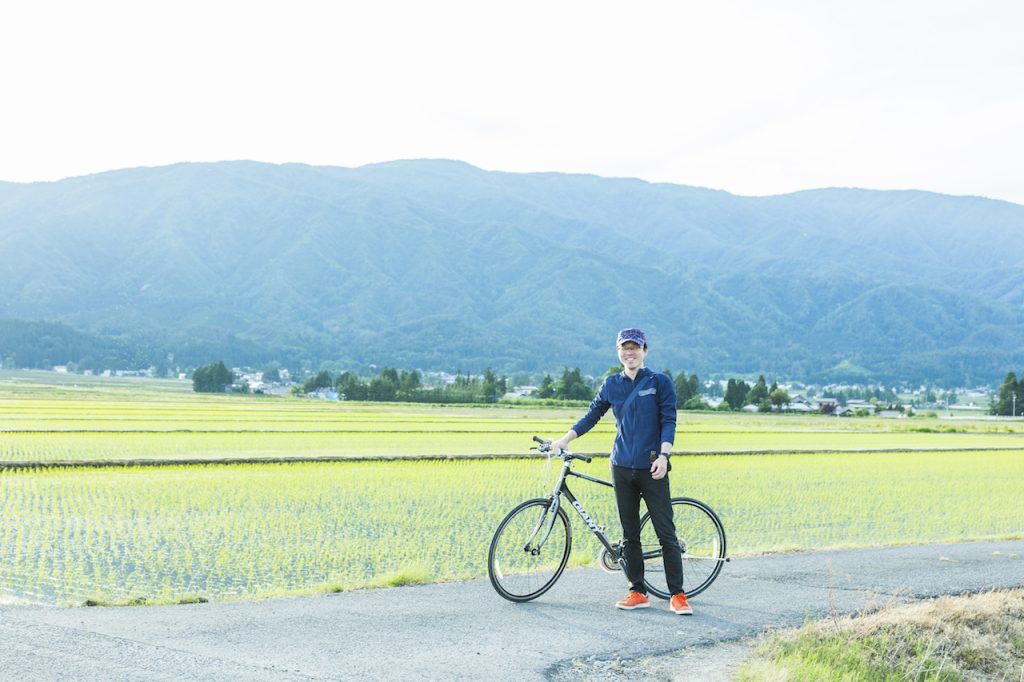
659, 467
557, 446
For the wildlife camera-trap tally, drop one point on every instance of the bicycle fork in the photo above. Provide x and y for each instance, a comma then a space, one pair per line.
546, 521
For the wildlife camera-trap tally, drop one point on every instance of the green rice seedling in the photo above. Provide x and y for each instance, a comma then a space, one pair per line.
229, 531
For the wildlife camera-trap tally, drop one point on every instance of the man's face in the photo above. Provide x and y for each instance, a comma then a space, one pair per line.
632, 355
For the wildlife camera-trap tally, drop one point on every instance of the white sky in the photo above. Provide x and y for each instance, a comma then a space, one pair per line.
751, 97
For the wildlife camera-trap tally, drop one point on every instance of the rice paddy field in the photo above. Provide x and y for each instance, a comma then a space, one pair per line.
172, 531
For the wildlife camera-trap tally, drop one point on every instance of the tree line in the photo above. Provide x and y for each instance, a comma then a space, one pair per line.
689, 390
739, 394
392, 385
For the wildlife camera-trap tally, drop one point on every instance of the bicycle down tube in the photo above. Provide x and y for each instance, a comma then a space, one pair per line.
562, 488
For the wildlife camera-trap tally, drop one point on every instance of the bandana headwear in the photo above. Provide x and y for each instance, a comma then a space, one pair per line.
634, 335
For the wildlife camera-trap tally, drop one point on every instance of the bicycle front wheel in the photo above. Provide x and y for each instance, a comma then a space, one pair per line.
525, 559
701, 539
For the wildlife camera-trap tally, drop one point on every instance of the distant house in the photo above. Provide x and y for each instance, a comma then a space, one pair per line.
861, 405
798, 403
826, 405
520, 391
852, 406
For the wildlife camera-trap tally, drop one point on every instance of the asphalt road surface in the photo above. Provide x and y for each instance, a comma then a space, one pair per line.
465, 631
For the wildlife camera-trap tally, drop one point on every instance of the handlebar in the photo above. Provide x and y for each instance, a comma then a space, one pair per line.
545, 447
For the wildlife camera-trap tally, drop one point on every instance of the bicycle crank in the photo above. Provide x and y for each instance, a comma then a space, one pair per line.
609, 562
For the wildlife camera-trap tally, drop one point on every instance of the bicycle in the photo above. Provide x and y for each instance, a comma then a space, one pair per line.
531, 546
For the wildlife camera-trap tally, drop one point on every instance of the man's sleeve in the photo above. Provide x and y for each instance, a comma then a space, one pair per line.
598, 406
667, 408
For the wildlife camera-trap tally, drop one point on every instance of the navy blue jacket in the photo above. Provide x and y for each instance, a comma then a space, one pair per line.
647, 422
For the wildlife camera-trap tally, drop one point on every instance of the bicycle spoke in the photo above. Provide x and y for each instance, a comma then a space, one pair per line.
518, 568
701, 540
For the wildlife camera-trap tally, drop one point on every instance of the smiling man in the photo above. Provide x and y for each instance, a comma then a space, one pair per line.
644, 405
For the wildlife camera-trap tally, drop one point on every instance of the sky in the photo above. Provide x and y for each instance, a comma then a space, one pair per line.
754, 98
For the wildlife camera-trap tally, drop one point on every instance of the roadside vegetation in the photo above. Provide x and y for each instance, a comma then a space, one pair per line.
978, 637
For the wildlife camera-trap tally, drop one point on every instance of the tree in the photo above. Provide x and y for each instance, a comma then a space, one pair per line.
778, 397
390, 374
730, 394
694, 383
491, 389
571, 386
683, 392
736, 394
212, 378
758, 393
410, 381
1004, 402
384, 387
322, 379
351, 387
696, 403
546, 388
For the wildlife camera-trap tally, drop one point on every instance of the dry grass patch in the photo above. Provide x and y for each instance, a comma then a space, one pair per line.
978, 637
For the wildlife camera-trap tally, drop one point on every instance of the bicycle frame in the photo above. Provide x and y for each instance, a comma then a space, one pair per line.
561, 488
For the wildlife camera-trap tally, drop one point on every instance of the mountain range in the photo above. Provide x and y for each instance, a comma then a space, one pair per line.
439, 265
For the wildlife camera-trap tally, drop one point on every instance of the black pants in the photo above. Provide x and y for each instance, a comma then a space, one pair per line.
630, 486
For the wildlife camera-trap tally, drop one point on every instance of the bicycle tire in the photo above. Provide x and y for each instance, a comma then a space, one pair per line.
701, 539
517, 573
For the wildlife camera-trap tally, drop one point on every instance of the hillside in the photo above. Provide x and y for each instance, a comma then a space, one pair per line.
440, 265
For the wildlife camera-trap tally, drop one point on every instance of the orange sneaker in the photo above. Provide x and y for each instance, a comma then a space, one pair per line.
634, 600
678, 604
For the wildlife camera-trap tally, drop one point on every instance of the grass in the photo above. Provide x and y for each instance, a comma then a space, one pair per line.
945, 639
245, 531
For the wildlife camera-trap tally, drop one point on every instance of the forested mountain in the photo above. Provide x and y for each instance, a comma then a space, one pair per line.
440, 265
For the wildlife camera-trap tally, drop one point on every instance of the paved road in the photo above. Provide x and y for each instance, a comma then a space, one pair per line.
465, 631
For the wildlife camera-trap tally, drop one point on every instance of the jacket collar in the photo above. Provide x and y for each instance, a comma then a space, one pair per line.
644, 371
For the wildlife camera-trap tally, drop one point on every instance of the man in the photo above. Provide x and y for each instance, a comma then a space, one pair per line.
644, 405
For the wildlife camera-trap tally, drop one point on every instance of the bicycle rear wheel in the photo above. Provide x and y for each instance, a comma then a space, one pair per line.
520, 570
702, 540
